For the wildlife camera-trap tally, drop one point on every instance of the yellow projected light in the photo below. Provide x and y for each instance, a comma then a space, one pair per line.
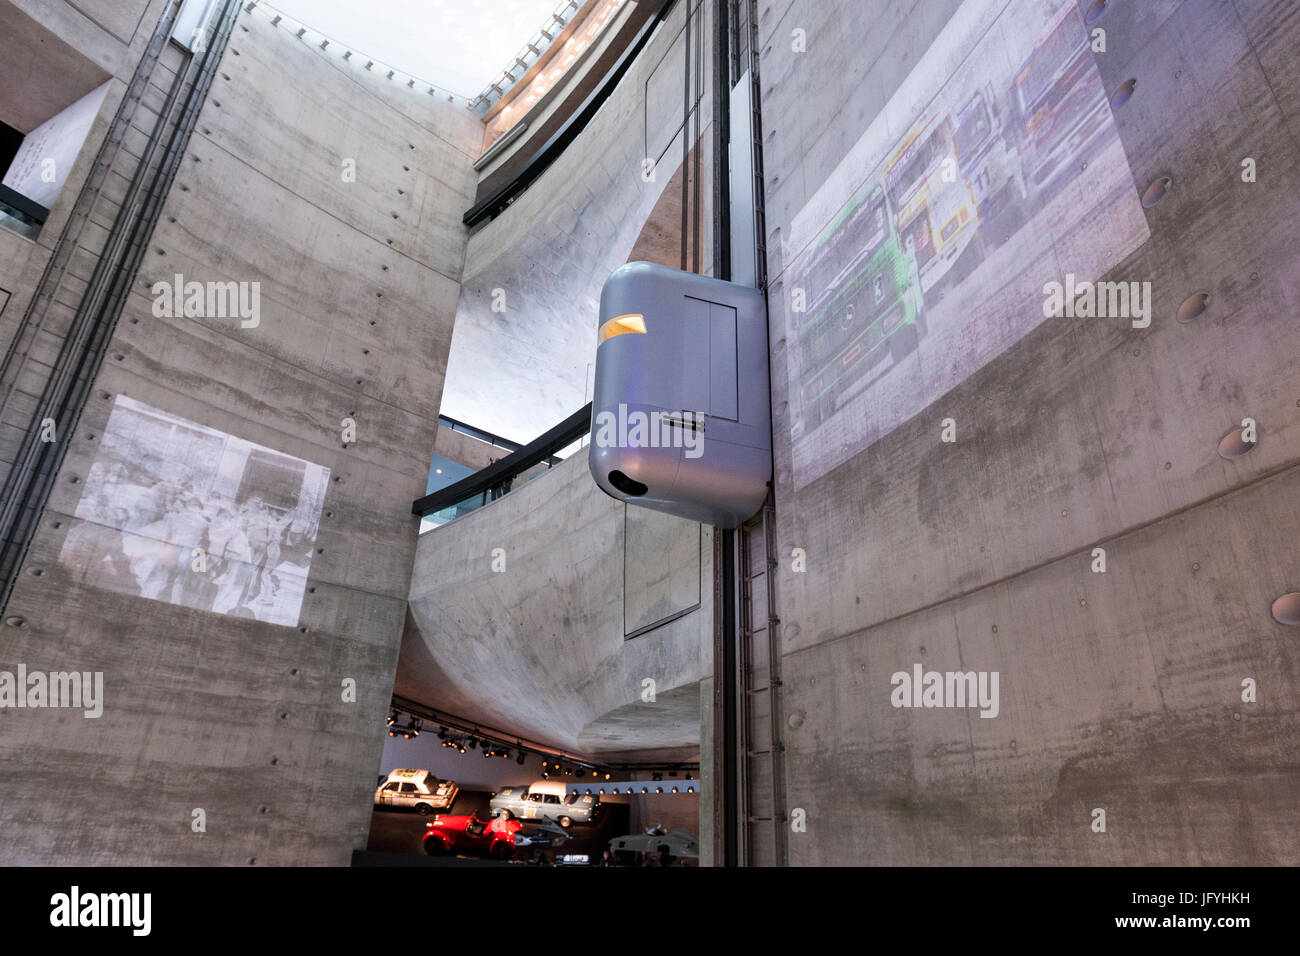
621, 325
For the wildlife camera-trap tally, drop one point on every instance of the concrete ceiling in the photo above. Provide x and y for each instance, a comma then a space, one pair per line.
39, 73
667, 730
538, 648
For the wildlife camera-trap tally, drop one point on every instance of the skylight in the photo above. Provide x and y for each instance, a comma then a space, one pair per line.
459, 45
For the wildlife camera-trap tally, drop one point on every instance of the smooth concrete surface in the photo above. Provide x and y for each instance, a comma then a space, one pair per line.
245, 720
1120, 690
465, 450
517, 371
537, 648
112, 33
41, 75
661, 570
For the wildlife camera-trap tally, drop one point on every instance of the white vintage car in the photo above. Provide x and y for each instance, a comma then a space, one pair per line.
416, 789
545, 800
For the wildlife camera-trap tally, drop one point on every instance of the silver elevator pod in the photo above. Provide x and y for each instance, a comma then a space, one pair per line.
680, 415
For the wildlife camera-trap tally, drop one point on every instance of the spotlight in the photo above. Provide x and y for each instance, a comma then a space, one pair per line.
581, 771
520, 758
443, 733
659, 789
472, 743
674, 789
606, 776
392, 717
656, 776
546, 775
644, 790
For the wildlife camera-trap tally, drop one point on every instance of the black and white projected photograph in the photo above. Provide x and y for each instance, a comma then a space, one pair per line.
175, 511
994, 168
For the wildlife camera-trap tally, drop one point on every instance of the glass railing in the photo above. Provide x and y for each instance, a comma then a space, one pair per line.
459, 497
20, 214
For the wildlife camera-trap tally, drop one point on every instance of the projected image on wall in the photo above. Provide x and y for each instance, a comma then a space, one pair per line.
178, 512
918, 261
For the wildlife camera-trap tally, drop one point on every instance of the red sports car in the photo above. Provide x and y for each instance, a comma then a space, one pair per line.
493, 836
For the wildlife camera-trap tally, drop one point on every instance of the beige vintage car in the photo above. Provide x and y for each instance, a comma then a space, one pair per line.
419, 790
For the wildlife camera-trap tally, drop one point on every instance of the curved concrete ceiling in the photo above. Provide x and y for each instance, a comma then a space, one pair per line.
667, 730
519, 611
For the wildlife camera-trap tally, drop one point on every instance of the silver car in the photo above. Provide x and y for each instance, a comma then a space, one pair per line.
679, 843
545, 800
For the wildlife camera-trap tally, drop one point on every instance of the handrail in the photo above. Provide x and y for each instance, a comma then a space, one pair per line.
495, 475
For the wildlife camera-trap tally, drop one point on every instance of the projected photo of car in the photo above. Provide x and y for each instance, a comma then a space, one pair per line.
863, 301
1062, 114
967, 198
934, 203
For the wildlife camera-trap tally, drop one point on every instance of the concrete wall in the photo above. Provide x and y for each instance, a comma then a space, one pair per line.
82, 55
466, 450
59, 139
1119, 690
537, 647
517, 371
359, 280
